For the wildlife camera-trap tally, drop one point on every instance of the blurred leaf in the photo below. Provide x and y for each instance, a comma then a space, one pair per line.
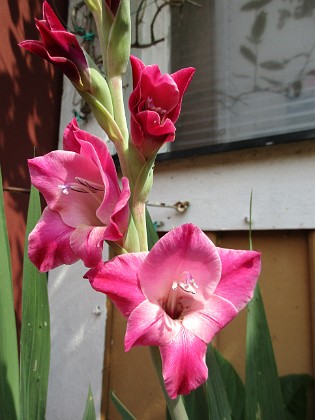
311, 73
210, 400
263, 399
151, 232
9, 362
248, 54
272, 65
35, 330
89, 412
294, 394
263, 395
253, 5
272, 82
258, 27
234, 387
123, 411
219, 407
196, 404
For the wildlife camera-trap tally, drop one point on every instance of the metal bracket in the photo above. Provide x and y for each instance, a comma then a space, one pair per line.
179, 206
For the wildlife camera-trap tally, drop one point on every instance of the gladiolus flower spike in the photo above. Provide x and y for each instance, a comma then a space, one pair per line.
85, 205
177, 297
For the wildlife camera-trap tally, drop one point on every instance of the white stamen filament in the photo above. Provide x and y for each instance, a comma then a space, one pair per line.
84, 186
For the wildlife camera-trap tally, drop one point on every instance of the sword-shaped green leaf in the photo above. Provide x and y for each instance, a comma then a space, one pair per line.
9, 362
89, 412
35, 331
263, 399
123, 411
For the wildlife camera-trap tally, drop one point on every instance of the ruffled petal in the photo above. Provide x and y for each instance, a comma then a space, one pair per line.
51, 18
185, 248
182, 79
49, 242
55, 173
149, 325
87, 243
137, 68
119, 281
206, 322
159, 90
119, 218
183, 363
240, 272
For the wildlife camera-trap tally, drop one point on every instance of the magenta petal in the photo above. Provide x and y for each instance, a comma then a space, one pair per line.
119, 218
160, 88
149, 325
211, 319
182, 78
87, 243
137, 67
49, 242
118, 280
51, 18
70, 142
54, 175
185, 248
183, 360
240, 272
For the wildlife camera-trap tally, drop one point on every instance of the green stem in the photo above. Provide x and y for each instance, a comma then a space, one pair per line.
139, 216
116, 90
175, 407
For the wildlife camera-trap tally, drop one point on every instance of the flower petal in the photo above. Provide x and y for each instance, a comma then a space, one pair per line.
87, 243
182, 79
206, 322
158, 88
137, 67
149, 325
185, 248
183, 360
49, 242
54, 173
120, 215
119, 281
240, 272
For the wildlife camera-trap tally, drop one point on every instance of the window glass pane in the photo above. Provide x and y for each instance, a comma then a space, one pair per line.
255, 63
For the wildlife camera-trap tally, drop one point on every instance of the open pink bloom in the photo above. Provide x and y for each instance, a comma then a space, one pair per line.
59, 47
155, 104
85, 203
177, 297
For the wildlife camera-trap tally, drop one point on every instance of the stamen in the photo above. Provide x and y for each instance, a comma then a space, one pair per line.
188, 284
64, 188
150, 105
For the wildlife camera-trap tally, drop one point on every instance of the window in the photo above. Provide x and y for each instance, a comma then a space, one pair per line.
255, 78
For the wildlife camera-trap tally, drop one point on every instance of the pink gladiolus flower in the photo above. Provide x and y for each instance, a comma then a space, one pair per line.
155, 104
59, 47
177, 297
85, 203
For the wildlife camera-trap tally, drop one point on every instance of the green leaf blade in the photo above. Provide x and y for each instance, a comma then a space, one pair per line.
233, 385
35, 331
89, 412
123, 411
263, 394
9, 364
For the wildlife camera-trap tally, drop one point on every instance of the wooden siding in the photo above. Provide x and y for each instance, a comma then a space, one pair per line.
287, 284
